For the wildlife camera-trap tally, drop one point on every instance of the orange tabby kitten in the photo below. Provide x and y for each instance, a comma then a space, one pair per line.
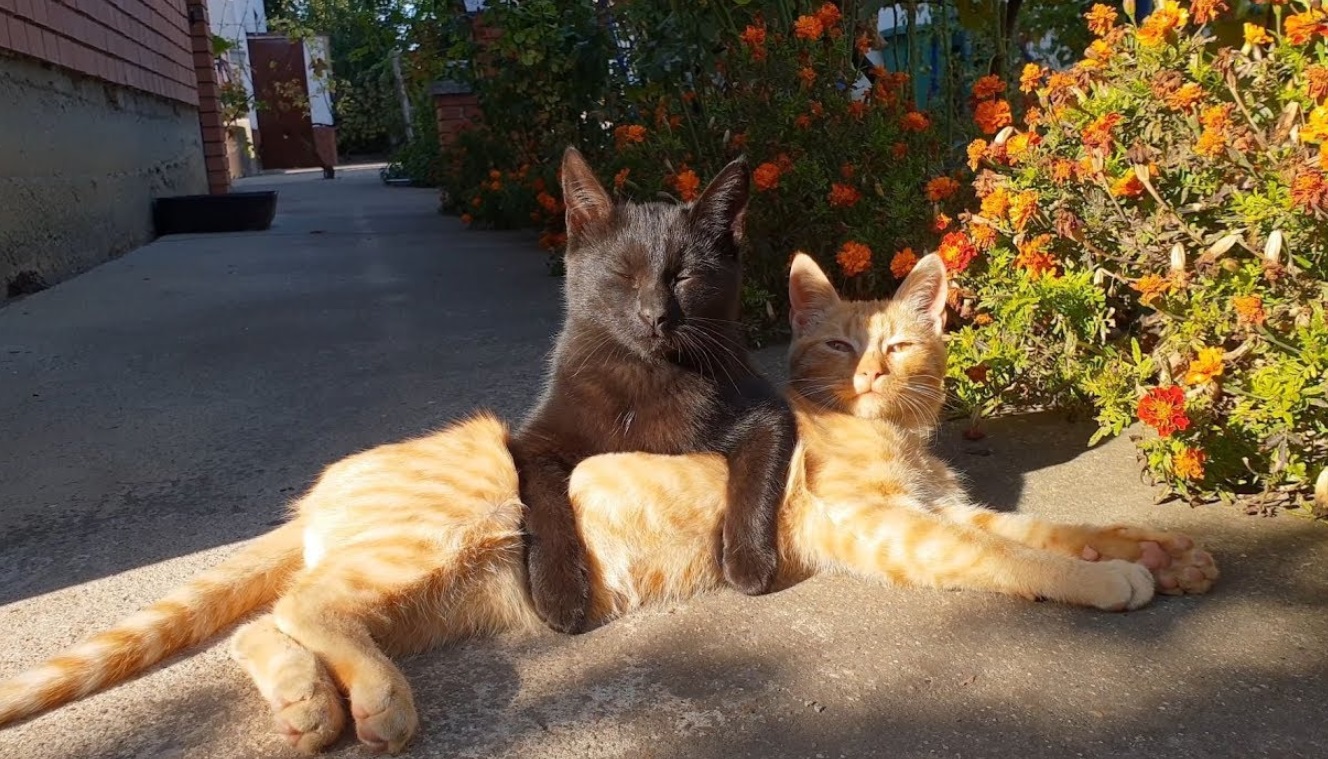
410, 545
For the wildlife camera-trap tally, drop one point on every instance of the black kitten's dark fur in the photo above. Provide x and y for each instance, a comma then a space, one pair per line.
650, 359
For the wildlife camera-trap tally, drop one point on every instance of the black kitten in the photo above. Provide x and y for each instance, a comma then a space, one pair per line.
651, 359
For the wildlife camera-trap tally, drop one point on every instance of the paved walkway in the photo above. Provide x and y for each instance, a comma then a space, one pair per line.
164, 406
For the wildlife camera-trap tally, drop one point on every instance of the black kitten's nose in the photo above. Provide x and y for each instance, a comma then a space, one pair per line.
654, 318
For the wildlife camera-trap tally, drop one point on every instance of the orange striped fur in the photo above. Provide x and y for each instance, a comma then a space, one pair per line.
415, 544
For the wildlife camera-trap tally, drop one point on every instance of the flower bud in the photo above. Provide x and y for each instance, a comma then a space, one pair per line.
1177, 260
1272, 251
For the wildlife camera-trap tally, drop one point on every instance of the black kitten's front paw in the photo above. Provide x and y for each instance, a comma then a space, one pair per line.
560, 591
750, 569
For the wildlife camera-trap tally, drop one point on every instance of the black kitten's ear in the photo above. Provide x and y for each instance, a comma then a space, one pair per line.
587, 202
924, 291
810, 292
723, 205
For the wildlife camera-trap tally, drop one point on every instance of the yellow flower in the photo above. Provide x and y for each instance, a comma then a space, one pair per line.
1101, 18
1257, 35
976, 149
1035, 258
1127, 186
1022, 208
1166, 18
1017, 147
1150, 286
1249, 309
1189, 464
995, 205
1316, 126
1205, 366
983, 236
1031, 77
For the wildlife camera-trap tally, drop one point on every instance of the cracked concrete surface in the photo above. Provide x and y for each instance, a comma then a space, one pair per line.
163, 406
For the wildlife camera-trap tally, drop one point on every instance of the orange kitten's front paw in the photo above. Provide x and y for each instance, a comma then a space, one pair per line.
313, 722
385, 717
1179, 566
1118, 586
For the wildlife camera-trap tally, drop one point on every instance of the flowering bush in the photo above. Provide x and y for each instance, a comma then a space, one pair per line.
1151, 238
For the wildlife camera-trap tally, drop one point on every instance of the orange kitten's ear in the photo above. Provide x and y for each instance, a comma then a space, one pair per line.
810, 292
924, 291
587, 202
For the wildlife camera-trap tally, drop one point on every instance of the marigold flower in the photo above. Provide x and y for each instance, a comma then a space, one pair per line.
1165, 18
857, 109
899, 151
688, 185
475, 202
1163, 409
829, 15
1101, 18
620, 179
940, 188
1256, 35
753, 36
977, 373
863, 44
1185, 97
1032, 117
808, 28
784, 162
1301, 28
467, 219
1189, 464
843, 196
628, 134
816, 108
1150, 287
914, 121
496, 186
996, 204
1022, 208
1017, 147
1031, 77
1204, 366
495, 174
1097, 135
854, 258
903, 263
1062, 170
982, 320
1059, 82
1099, 53
957, 251
738, 141
1127, 186
941, 223
549, 203
808, 76
992, 115
988, 86
1035, 257
1308, 190
803, 122
766, 176
1317, 87
1249, 309
983, 236
1206, 10
1316, 126
1211, 143
976, 149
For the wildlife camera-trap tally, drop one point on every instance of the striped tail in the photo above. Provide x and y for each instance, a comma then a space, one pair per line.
187, 616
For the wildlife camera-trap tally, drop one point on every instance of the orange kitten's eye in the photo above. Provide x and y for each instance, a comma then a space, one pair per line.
899, 346
839, 345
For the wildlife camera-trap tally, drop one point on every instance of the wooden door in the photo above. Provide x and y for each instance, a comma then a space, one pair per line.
285, 130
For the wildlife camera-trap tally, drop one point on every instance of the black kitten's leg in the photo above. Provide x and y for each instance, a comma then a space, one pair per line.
761, 446
555, 555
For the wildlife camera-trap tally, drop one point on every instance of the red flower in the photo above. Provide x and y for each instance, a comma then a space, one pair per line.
1163, 409
913, 121
843, 196
808, 28
957, 251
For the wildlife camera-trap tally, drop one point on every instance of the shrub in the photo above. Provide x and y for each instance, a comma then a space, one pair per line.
1153, 240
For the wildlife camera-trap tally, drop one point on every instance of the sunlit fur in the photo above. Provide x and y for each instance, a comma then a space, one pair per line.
415, 544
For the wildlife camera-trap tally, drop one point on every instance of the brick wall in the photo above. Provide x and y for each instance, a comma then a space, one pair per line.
142, 44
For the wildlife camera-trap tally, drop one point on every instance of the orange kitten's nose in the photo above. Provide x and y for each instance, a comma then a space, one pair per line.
864, 381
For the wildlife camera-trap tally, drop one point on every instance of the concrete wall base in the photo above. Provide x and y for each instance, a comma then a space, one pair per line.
80, 162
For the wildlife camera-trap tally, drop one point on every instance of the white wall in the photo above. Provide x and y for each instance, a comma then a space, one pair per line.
234, 20
320, 100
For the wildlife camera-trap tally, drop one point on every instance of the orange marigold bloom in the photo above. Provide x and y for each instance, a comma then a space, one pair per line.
1249, 309
1205, 366
467, 219
996, 204
548, 202
816, 108
1256, 35
1189, 464
1031, 77
1302, 27
753, 36
495, 174
1163, 409
766, 176
1165, 18
1098, 133
863, 44
1210, 144
854, 258
1150, 287
982, 235
992, 115
1323, 156
808, 28
843, 196
899, 151
1058, 82
1206, 10
808, 76
857, 109
785, 162
941, 188
620, 179
1101, 18
1127, 186
988, 86
914, 121
903, 263
1032, 117
627, 134
1217, 116
803, 122
976, 149
1017, 147
1318, 81
688, 185
1316, 126
829, 15
475, 202
1308, 190
982, 320
1062, 170
1022, 208
1035, 258
941, 223
1185, 97
738, 141
957, 251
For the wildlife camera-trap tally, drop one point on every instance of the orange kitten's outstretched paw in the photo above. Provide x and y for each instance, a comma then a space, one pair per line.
385, 718
1119, 586
1179, 566
314, 722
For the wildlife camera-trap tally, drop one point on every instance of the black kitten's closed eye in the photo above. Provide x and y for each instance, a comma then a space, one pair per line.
839, 345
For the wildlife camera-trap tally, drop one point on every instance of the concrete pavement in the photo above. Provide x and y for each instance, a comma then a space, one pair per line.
158, 409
